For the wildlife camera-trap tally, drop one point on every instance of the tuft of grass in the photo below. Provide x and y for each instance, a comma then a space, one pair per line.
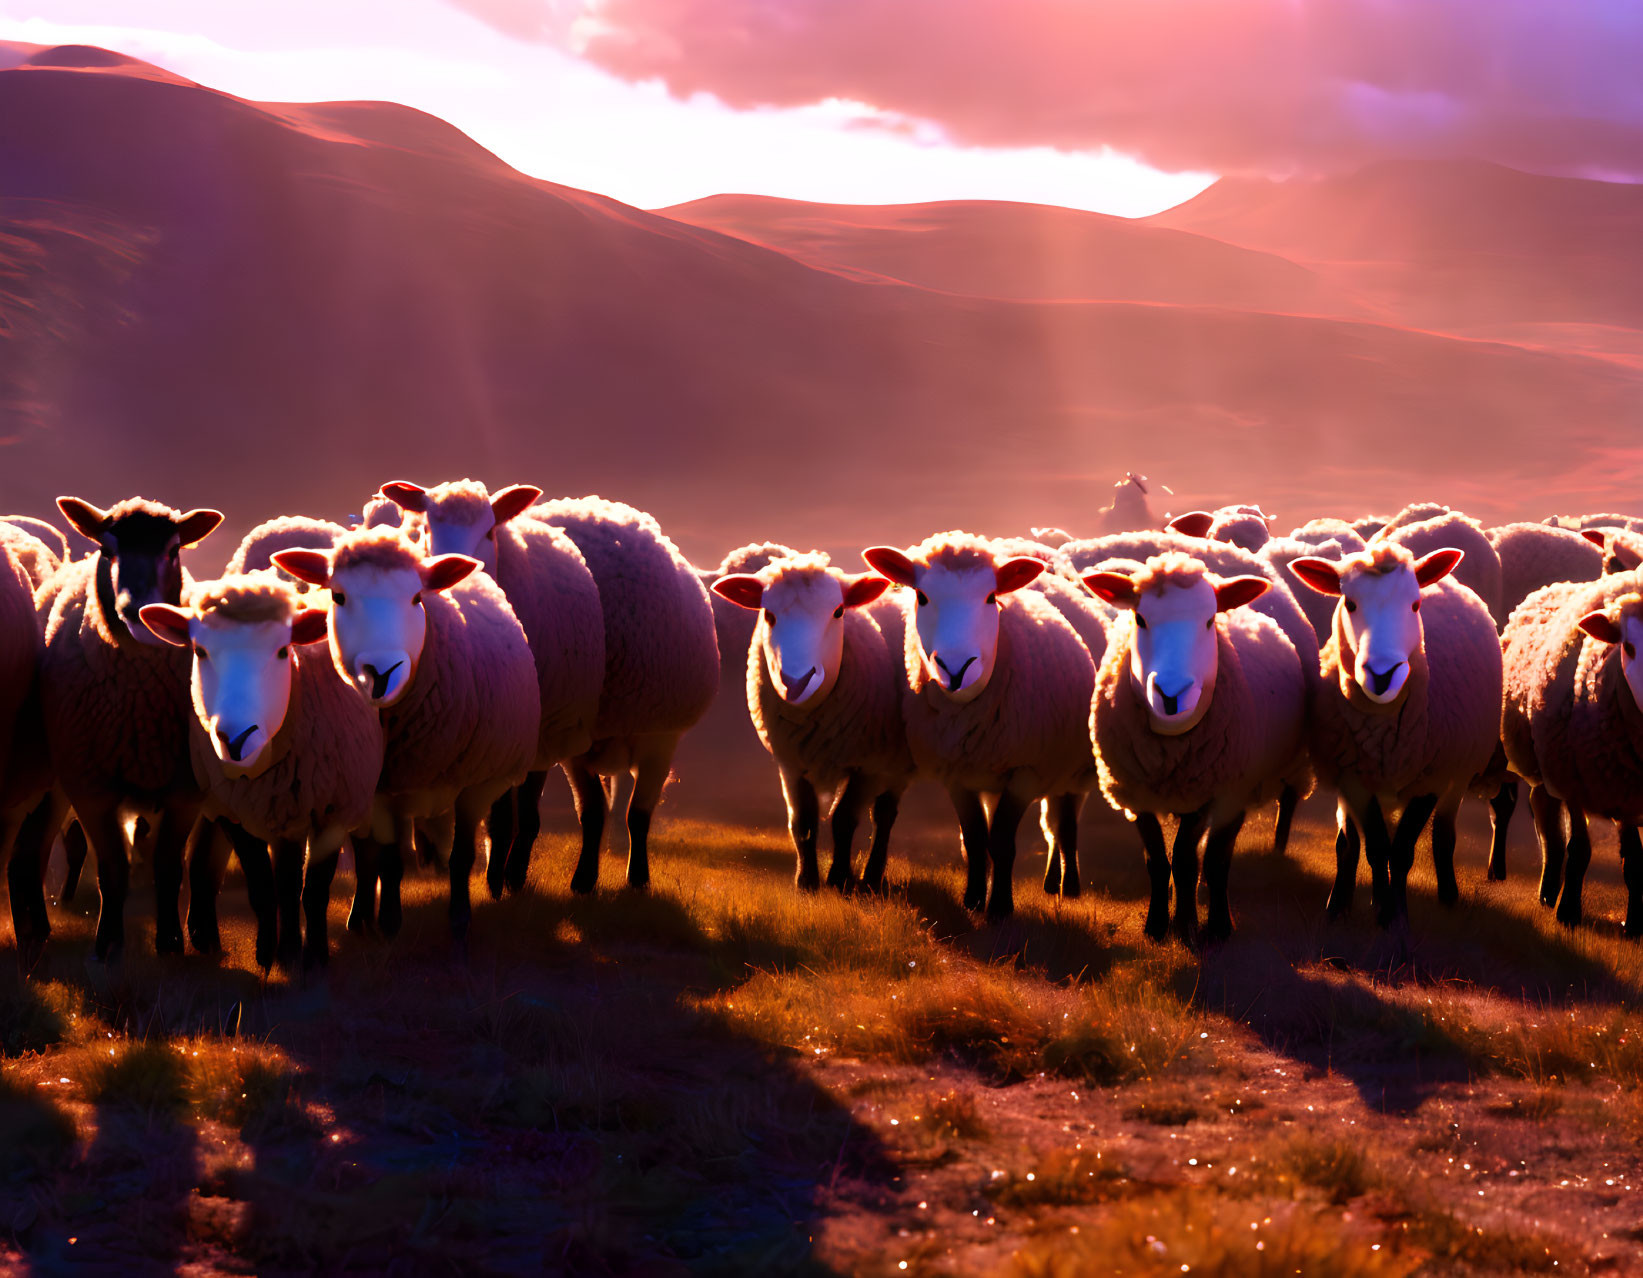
149, 1077
1450, 1240
36, 1136
1064, 1178
950, 1116
250, 1088
1189, 1231
1335, 1166
1164, 1111
1537, 1107
35, 1017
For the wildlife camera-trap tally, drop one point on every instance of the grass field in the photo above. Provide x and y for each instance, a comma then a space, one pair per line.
726, 1077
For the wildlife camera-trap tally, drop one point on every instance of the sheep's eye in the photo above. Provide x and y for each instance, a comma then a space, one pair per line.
993, 598
1352, 605
1210, 624
1140, 621
284, 654
769, 617
923, 599
491, 536
416, 600
201, 653
1630, 649
175, 552
338, 598
1416, 606
839, 611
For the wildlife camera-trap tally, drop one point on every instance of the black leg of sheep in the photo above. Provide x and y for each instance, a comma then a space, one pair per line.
1184, 870
885, 809
1152, 843
172, 841
803, 824
288, 866
207, 865
1578, 858
25, 876
972, 827
500, 826
74, 853
1377, 850
390, 870
1501, 808
527, 825
1217, 869
847, 814
316, 899
1443, 856
591, 809
652, 761
108, 846
1061, 832
1346, 868
1289, 798
1001, 836
1415, 815
1631, 869
367, 866
1548, 814
258, 868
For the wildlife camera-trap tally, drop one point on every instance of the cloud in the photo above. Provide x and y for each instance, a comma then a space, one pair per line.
1233, 86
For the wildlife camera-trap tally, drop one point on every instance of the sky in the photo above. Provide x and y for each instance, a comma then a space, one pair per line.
1121, 106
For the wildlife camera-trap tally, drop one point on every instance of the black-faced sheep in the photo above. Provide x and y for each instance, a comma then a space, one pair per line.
1199, 713
1407, 712
824, 691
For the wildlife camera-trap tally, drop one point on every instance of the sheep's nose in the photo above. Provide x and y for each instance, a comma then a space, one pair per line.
379, 679
955, 678
234, 746
1172, 698
796, 684
1381, 680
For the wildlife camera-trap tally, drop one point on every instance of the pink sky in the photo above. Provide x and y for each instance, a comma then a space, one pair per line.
557, 115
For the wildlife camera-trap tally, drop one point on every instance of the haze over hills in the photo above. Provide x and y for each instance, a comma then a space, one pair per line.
275, 308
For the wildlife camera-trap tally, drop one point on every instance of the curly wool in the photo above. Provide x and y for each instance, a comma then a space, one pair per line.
661, 651
1327, 531
1239, 755
1479, 571
1246, 527
1570, 722
1280, 552
32, 555
1442, 731
288, 532
1533, 556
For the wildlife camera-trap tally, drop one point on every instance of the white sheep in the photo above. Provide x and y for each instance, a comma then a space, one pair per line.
47, 534
115, 700
1619, 549
661, 668
1426, 526
1580, 523
553, 594
1130, 507
1533, 556
1247, 527
1199, 713
998, 689
257, 548
1407, 713
1327, 530
283, 748
441, 655
1366, 526
1050, 536
1573, 728
1280, 552
1128, 552
823, 690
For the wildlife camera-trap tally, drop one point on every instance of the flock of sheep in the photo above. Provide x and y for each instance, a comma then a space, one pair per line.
399, 684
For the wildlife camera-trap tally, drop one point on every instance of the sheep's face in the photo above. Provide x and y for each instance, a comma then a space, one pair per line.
1379, 611
461, 518
1175, 646
801, 623
242, 676
1622, 627
955, 614
139, 556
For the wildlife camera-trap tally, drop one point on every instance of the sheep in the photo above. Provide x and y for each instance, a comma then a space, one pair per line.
661, 668
1422, 532
284, 750
47, 534
434, 646
1619, 549
1199, 712
824, 694
1533, 556
1571, 727
553, 594
1247, 527
1408, 712
36, 559
1580, 523
115, 700
1280, 552
25, 774
997, 695
1366, 526
1129, 553
256, 550
1130, 507
1054, 538
1327, 530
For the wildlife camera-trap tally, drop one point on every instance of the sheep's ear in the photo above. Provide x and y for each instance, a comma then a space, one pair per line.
1627, 551
197, 525
1114, 587
1195, 523
310, 626
891, 564
445, 571
167, 623
1433, 568
741, 588
1323, 575
1599, 625
83, 517
514, 501
406, 495
863, 588
1015, 573
1235, 592
312, 566
1595, 536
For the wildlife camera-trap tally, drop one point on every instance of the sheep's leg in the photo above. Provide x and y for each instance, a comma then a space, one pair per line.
885, 809
392, 858
1377, 850
1001, 836
1184, 870
1501, 808
527, 825
500, 826
650, 768
1548, 814
1574, 868
471, 808
803, 817
972, 828
172, 840
258, 868
207, 865
25, 876
1631, 869
1346, 865
1289, 798
1152, 843
1217, 869
288, 885
1052, 855
1064, 811
591, 808
101, 822
1443, 851
367, 868
74, 853
316, 900
848, 811
1404, 838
